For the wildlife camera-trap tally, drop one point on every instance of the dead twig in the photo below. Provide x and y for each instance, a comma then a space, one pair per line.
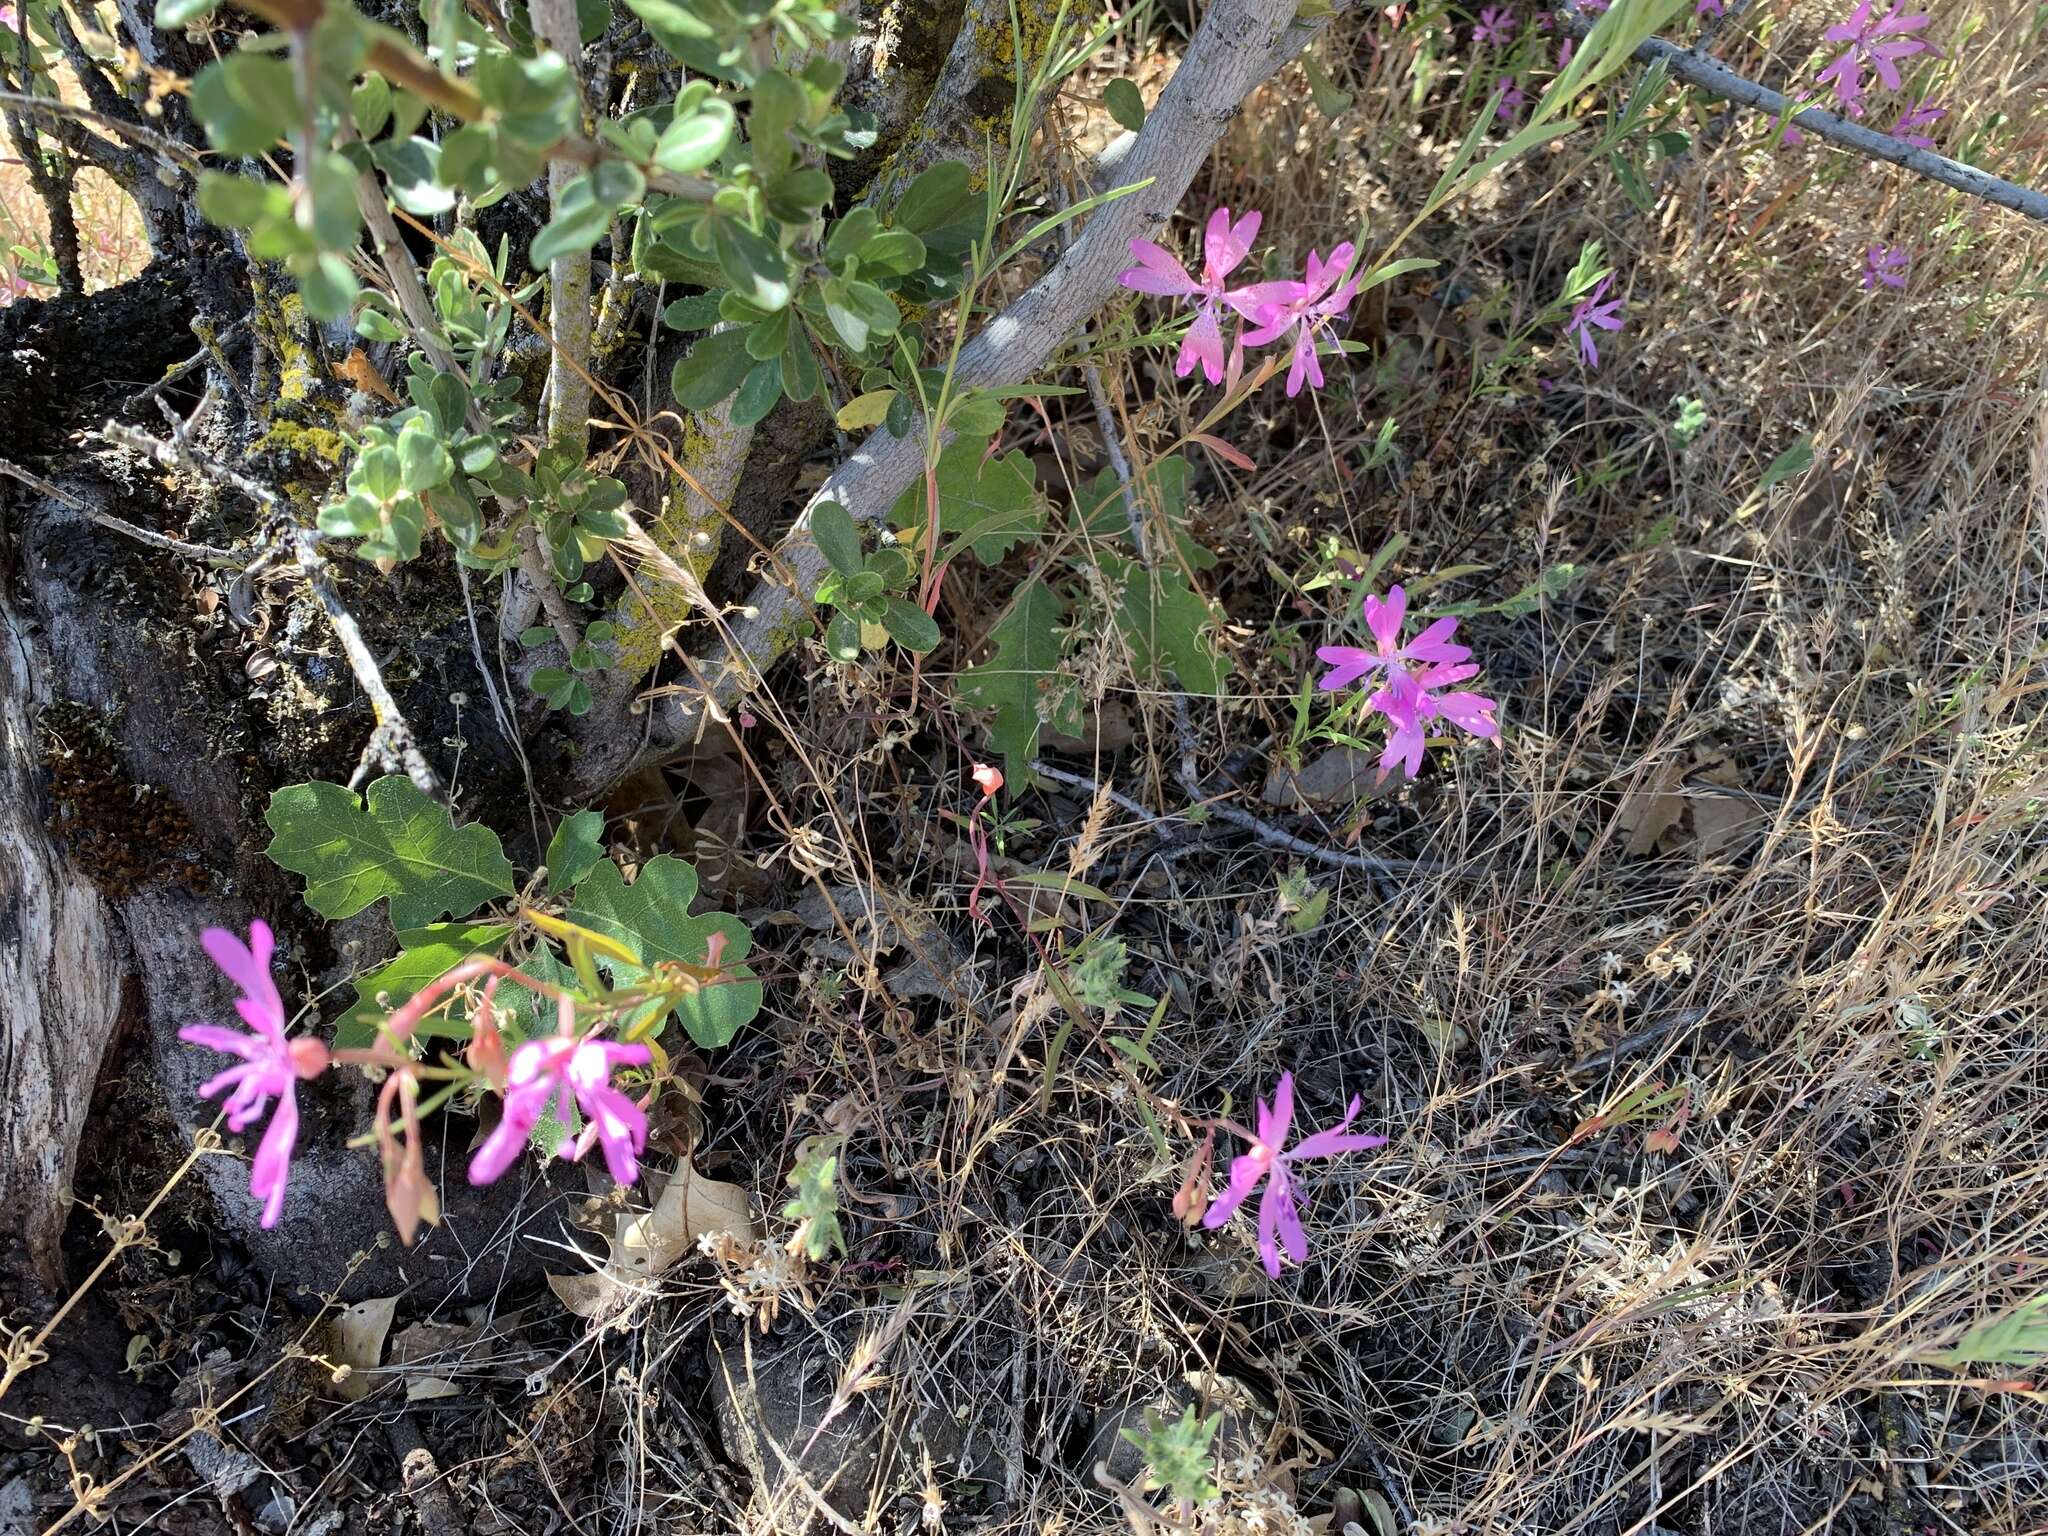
121, 526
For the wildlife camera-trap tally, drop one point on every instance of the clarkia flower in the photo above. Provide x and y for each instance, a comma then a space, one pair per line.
1921, 114
1224, 246
1712, 8
1411, 700
1594, 310
1412, 677
1270, 1162
1496, 25
1876, 43
1565, 50
1383, 620
1311, 309
1510, 103
1886, 264
271, 1065
546, 1075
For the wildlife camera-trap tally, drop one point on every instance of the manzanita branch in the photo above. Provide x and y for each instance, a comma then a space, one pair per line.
1697, 70
1239, 45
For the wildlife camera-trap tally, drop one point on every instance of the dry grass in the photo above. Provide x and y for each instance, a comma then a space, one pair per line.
1825, 697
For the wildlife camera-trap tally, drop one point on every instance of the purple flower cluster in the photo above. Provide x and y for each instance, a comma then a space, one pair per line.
1307, 310
1414, 679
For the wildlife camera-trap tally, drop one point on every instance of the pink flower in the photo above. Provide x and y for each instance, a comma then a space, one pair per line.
1410, 700
1348, 663
1712, 8
1594, 6
1412, 675
1224, 246
1565, 50
271, 1065
1886, 264
1279, 1218
1310, 308
1591, 312
1875, 43
1496, 25
546, 1074
1921, 114
1511, 100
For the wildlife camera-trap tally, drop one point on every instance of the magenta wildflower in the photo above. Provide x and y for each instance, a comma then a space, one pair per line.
1886, 264
546, 1074
1412, 676
271, 1064
1565, 50
1224, 246
1268, 1162
1877, 44
1712, 8
1921, 114
1510, 103
1591, 312
1348, 663
1496, 25
1311, 308
1593, 6
1412, 699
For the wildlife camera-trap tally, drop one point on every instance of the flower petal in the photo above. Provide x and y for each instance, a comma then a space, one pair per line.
1246, 1170
1224, 244
272, 1163
1157, 272
248, 967
218, 1037
1347, 665
1385, 618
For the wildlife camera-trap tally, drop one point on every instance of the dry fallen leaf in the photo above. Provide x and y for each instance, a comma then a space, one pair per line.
1719, 822
645, 1244
1653, 809
359, 1344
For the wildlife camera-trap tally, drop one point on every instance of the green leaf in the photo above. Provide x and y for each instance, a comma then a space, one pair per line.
1124, 104
698, 312
574, 850
690, 143
842, 637
910, 626
714, 369
327, 284
675, 26
426, 954
585, 211
935, 199
245, 102
396, 844
837, 537
891, 254
1330, 99
1796, 460
423, 462
1162, 621
652, 918
759, 391
173, 14
988, 507
976, 416
1013, 680
753, 264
